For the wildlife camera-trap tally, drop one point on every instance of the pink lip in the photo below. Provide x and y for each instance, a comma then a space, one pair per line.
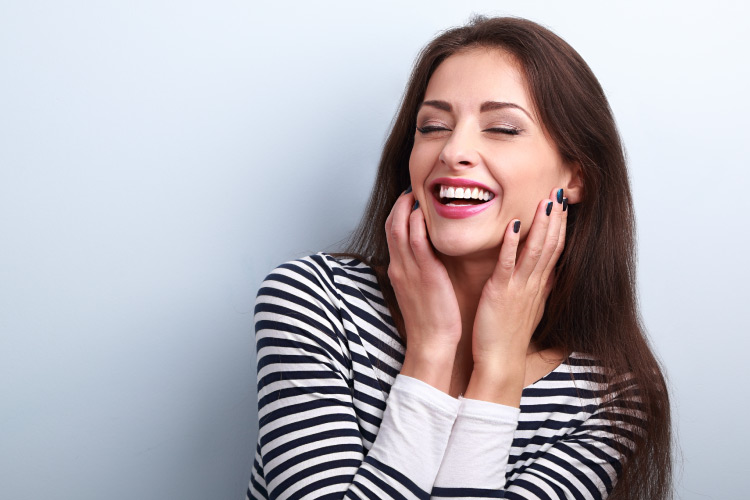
463, 211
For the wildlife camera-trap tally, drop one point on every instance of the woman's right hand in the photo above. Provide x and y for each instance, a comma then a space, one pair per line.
425, 295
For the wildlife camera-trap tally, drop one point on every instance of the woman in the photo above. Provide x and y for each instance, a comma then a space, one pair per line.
487, 344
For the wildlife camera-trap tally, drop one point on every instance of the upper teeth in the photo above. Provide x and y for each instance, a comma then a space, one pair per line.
465, 193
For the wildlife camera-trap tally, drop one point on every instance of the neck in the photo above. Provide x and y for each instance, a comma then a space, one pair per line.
468, 275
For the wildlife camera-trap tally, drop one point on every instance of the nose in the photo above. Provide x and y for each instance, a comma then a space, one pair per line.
461, 150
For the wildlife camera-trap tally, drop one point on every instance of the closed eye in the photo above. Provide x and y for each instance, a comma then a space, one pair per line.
503, 130
431, 128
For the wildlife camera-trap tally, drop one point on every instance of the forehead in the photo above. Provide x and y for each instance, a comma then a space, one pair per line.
477, 75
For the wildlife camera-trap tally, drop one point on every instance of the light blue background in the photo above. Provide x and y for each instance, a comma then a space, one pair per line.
158, 158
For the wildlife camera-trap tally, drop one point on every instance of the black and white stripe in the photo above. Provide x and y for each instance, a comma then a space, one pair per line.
328, 354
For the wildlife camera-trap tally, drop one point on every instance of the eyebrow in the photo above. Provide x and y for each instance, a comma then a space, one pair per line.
486, 106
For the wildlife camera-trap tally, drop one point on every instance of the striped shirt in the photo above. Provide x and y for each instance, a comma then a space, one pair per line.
336, 420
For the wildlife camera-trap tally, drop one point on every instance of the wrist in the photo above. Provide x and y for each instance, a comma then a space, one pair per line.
434, 366
500, 383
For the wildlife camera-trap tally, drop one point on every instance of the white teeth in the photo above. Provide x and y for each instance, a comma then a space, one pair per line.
465, 193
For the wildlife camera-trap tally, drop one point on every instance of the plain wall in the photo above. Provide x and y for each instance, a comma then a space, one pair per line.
158, 158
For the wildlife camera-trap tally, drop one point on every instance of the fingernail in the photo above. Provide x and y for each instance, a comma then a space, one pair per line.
565, 204
560, 195
516, 226
416, 206
549, 208
408, 190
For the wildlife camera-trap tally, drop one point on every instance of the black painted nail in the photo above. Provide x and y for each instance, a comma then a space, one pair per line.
565, 204
416, 206
559, 195
408, 190
549, 208
516, 226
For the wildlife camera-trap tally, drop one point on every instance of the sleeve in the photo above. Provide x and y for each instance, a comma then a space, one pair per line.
478, 450
584, 464
310, 441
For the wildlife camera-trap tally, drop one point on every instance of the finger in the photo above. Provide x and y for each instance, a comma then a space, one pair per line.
551, 243
420, 244
397, 229
563, 232
506, 263
534, 244
389, 219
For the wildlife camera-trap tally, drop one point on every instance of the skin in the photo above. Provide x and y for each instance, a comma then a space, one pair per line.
473, 292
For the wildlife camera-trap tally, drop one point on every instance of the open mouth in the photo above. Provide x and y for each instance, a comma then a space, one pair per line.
453, 196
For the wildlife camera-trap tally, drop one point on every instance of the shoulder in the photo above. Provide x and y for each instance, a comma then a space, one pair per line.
298, 307
323, 275
324, 287
580, 380
605, 382
613, 397
616, 383
321, 300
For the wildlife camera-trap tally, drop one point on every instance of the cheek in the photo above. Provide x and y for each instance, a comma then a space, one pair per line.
422, 154
414, 164
524, 188
421, 162
533, 172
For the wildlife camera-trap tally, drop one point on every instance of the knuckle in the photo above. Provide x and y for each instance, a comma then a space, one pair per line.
507, 263
415, 239
560, 246
397, 233
535, 252
394, 274
551, 245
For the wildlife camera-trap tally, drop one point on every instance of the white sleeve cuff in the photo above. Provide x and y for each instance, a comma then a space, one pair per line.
430, 395
485, 410
415, 430
479, 446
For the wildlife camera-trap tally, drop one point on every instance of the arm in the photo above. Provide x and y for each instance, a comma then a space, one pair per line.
581, 460
311, 443
477, 455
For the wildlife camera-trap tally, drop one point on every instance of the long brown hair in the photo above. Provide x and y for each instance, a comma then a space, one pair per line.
593, 305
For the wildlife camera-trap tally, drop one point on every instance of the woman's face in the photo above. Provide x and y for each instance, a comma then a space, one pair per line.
477, 131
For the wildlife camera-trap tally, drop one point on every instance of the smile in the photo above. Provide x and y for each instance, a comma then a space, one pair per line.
450, 195
460, 198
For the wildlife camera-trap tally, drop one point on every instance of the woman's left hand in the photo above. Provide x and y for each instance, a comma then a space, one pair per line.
513, 298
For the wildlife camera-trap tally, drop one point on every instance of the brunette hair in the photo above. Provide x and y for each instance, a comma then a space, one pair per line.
593, 306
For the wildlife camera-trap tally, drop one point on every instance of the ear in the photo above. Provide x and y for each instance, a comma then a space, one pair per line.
574, 189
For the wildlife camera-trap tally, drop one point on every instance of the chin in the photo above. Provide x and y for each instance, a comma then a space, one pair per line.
460, 247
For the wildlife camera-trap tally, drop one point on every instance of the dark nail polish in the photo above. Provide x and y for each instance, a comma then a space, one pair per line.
416, 206
408, 190
517, 226
565, 204
559, 195
549, 208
